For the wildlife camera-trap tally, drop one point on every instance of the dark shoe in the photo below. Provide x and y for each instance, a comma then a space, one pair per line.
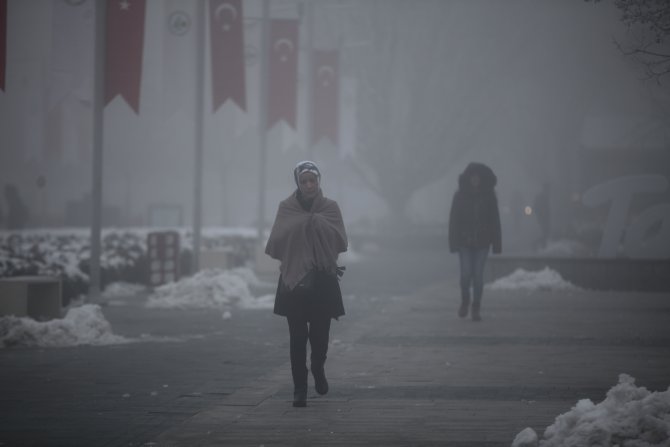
320, 382
300, 398
463, 310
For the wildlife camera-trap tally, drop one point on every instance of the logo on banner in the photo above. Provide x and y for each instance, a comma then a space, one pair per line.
226, 14
325, 74
179, 23
284, 47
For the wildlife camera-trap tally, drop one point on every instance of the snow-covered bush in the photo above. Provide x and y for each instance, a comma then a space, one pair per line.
65, 253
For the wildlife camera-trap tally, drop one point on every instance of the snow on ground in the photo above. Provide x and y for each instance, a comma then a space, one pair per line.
349, 257
84, 325
630, 416
525, 438
564, 248
211, 289
260, 303
521, 279
122, 290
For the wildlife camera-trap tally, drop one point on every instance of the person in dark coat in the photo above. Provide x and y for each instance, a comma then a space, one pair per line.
307, 236
474, 227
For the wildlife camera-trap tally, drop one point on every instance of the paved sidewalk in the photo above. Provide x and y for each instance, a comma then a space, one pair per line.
404, 370
407, 372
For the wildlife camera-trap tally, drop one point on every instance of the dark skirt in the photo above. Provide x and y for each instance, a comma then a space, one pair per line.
325, 299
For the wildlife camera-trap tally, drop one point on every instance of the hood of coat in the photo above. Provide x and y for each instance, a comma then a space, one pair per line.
487, 178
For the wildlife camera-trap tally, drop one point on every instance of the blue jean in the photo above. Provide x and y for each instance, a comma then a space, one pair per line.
472, 272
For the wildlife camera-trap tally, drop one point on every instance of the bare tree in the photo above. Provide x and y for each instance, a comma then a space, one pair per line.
415, 116
648, 25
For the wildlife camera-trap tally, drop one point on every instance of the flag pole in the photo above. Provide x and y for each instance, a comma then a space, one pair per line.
262, 121
309, 81
199, 133
98, 127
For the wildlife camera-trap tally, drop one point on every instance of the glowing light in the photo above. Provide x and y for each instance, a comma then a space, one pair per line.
528, 211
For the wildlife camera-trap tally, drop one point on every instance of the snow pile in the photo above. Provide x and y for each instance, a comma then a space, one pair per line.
122, 289
521, 279
247, 275
564, 248
209, 289
85, 325
262, 302
629, 416
349, 257
526, 438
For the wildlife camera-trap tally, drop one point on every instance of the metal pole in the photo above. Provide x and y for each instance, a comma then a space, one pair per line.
199, 133
98, 127
262, 121
309, 82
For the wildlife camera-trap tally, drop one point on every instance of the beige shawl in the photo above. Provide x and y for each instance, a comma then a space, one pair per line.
305, 240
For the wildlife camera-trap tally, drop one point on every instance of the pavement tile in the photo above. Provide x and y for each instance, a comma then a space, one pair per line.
415, 374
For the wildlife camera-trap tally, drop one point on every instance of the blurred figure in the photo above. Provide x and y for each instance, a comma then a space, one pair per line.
307, 236
474, 226
517, 208
542, 209
17, 212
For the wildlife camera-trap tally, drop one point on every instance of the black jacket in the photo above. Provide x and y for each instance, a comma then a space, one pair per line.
474, 219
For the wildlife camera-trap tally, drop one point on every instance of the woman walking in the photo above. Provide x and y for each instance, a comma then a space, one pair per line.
307, 236
474, 227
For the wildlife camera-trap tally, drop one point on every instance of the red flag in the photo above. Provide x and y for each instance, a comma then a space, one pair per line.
3, 42
283, 72
225, 27
325, 94
125, 42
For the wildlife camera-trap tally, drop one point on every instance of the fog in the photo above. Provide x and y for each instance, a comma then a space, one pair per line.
537, 90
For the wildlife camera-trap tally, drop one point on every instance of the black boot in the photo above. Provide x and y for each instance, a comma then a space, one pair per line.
299, 386
320, 382
300, 397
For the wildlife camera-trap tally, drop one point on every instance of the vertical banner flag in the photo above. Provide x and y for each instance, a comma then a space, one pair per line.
70, 78
125, 42
227, 46
283, 72
179, 57
3, 42
325, 94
